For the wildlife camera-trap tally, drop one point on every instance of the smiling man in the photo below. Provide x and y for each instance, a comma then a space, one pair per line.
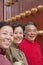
29, 46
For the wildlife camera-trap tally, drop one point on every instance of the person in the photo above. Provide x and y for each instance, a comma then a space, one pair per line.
29, 46
6, 39
14, 54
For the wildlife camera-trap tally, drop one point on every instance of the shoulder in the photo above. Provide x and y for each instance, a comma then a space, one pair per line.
22, 45
4, 60
37, 44
23, 42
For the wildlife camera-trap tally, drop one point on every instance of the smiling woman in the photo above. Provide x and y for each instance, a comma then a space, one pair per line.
14, 54
6, 36
6, 39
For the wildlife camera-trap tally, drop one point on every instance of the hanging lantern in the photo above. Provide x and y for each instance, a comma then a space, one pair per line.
13, 18
34, 10
9, 20
40, 7
22, 15
10, 2
18, 17
28, 13
40, 32
7, 3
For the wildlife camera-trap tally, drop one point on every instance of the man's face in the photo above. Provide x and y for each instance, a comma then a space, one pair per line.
30, 32
18, 35
6, 36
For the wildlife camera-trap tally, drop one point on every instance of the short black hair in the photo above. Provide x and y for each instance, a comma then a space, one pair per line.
4, 23
31, 23
17, 24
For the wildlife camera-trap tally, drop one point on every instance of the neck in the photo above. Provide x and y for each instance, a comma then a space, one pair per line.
2, 51
30, 40
16, 45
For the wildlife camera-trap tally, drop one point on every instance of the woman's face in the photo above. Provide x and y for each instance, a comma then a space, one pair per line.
6, 36
18, 35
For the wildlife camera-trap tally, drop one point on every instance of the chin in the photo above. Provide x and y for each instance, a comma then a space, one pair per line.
18, 42
6, 47
33, 40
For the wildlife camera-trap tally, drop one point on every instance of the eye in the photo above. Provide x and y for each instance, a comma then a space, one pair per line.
21, 33
5, 33
15, 32
28, 30
34, 30
11, 35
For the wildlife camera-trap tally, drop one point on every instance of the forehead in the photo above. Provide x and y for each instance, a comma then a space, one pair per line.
6, 28
30, 27
18, 29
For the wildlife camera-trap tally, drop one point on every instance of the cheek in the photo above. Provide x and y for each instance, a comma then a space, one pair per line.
35, 34
12, 39
21, 36
0, 40
15, 35
3, 36
28, 33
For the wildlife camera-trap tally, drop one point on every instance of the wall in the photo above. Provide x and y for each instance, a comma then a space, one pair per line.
22, 6
1, 10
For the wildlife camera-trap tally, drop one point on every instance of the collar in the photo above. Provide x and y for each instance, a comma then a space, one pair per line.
2, 51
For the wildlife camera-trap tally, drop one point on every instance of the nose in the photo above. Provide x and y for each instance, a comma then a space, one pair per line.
8, 37
32, 32
18, 35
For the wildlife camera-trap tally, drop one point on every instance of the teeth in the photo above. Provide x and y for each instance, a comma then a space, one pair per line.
18, 39
32, 36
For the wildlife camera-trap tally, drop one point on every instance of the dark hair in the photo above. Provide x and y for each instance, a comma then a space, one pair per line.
3, 23
31, 23
17, 24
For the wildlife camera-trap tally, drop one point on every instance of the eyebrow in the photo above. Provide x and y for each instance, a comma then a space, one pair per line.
6, 31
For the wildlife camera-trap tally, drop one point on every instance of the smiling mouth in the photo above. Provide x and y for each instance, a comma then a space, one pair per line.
32, 36
18, 39
7, 42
